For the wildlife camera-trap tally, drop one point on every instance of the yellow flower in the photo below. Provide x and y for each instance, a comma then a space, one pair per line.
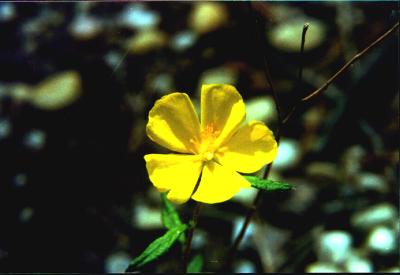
216, 149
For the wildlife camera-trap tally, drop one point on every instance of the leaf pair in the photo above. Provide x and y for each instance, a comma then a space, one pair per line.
158, 247
161, 245
173, 223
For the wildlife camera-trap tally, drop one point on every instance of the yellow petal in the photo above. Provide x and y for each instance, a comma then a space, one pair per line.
222, 110
177, 173
173, 123
249, 149
218, 184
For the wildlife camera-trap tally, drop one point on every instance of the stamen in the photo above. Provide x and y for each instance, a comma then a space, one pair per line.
208, 156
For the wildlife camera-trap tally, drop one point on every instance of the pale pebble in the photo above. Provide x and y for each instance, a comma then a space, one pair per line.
382, 240
377, 214
289, 154
334, 246
117, 262
319, 267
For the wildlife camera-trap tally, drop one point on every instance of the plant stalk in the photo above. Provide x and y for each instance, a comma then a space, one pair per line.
188, 244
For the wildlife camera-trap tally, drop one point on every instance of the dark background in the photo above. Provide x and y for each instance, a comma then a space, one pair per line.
82, 185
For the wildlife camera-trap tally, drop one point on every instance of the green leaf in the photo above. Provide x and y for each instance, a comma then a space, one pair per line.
169, 216
158, 247
195, 264
268, 185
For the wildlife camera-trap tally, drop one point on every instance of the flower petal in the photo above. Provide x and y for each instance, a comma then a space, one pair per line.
173, 123
218, 184
177, 173
249, 149
222, 109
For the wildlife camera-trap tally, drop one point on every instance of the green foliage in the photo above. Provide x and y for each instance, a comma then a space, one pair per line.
268, 185
158, 247
169, 216
195, 264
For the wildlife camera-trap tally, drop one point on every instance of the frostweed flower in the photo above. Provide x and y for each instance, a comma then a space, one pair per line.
214, 149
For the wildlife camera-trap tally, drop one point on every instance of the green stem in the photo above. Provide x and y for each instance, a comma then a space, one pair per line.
192, 226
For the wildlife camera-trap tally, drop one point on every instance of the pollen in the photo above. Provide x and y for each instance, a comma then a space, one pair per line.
210, 132
208, 156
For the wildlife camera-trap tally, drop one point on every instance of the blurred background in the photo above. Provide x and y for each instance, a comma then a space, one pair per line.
78, 79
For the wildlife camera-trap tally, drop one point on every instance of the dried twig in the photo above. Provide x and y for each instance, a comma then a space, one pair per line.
349, 63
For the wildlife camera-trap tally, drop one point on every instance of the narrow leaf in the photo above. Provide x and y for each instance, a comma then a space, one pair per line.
157, 247
169, 216
195, 264
268, 185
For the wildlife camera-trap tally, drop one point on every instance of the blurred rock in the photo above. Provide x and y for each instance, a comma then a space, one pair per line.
7, 11
146, 40
162, 83
114, 59
219, 75
269, 242
261, 108
286, 35
313, 117
199, 239
237, 225
5, 128
326, 170
244, 266
245, 196
334, 246
394, 269
207, 16
26, 214
371, 181
85, 27
183, 40
138, 17
146, 218
383, 213
57, 92
20, 92
352, 160
137, 135
356, 263
289, 154
382, 240
303, 198
35, 140
319, 267
117, 262
20, 180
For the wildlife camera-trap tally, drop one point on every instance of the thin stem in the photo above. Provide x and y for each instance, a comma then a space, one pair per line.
250, 213
303, 42
258, 198
301, 66
260, 30
350, 62
192, 226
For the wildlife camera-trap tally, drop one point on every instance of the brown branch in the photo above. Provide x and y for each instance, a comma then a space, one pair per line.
350, 62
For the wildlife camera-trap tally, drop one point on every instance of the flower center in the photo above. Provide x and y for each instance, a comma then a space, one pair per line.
205, 146
207, 156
